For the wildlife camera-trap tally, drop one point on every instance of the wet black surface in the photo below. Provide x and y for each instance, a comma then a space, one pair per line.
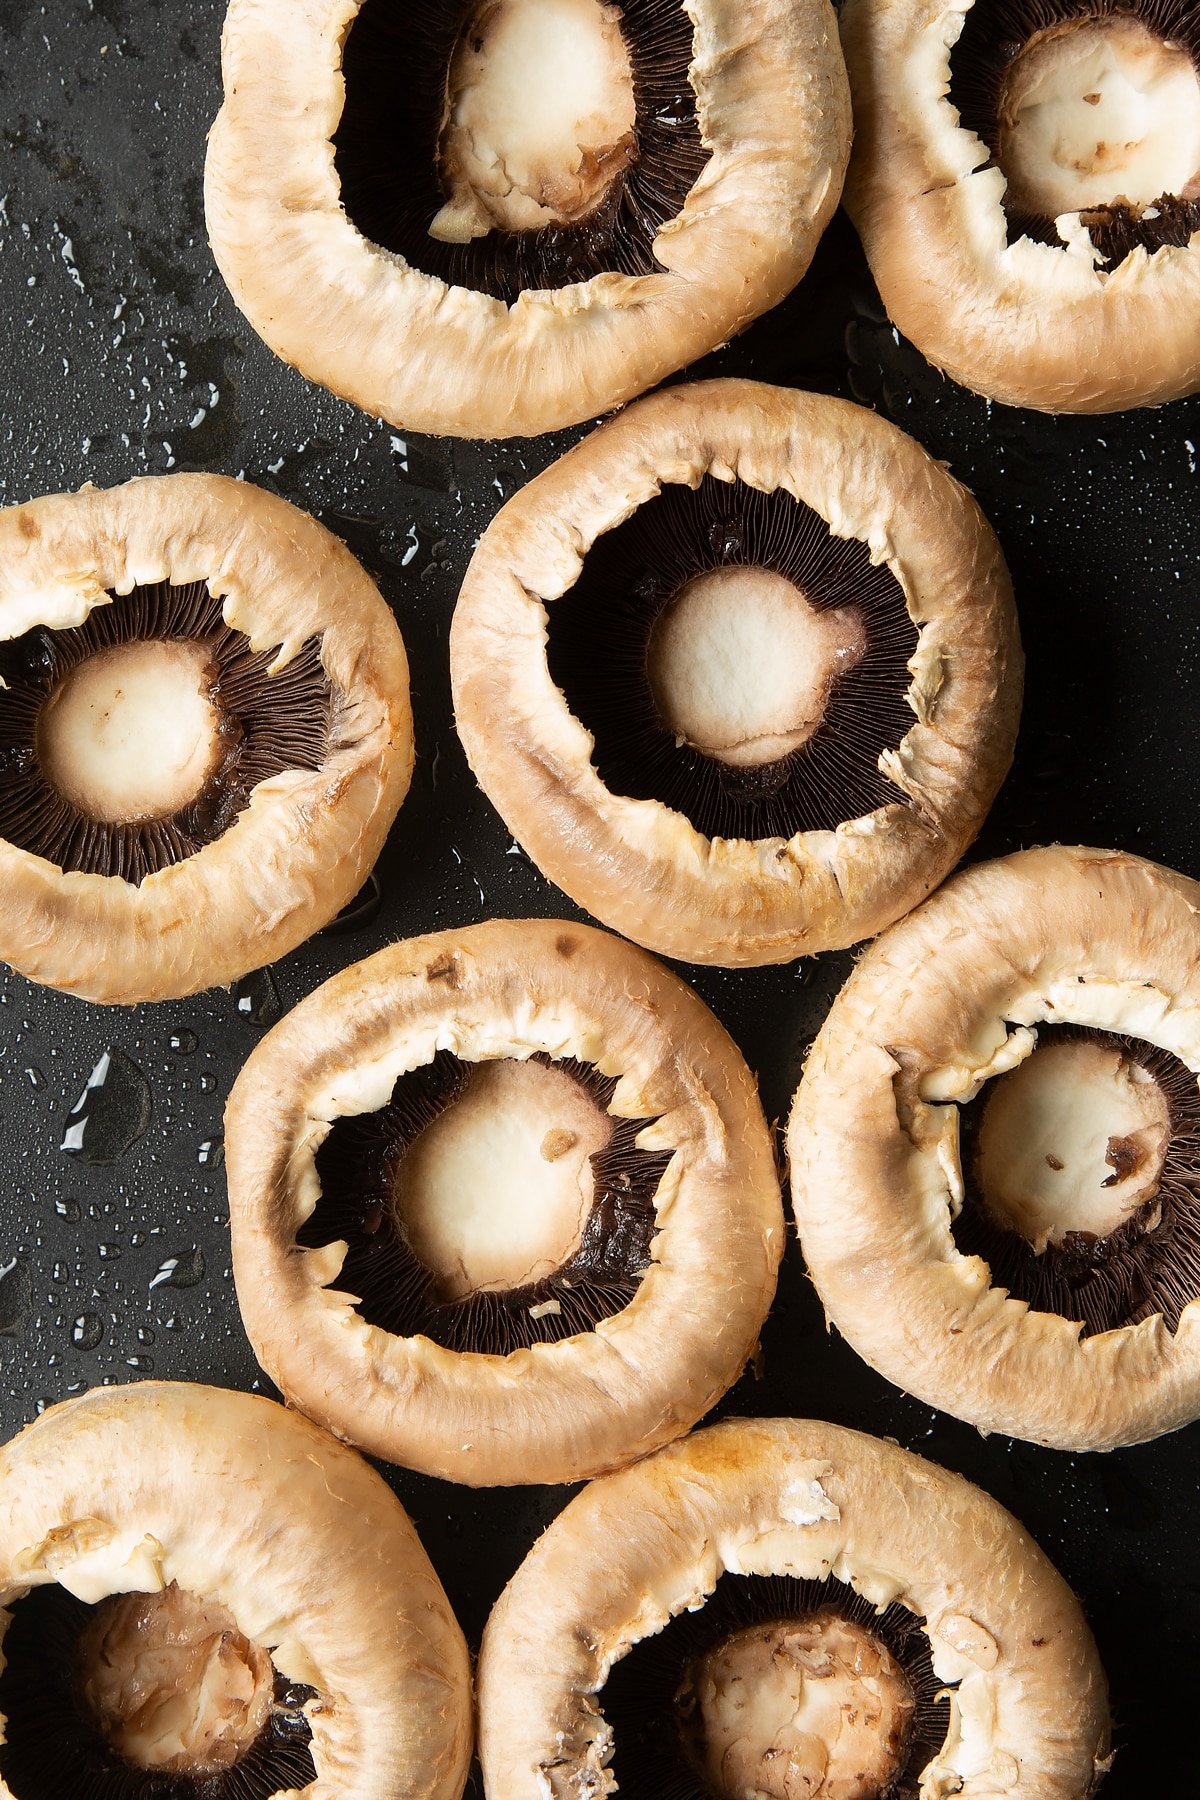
124, 355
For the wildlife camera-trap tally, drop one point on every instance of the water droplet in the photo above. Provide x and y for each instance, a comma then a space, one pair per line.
257, 998
145, 1335
136, 1238
184, 1043
109, 1252
208, 1084
211, 1153
183, 1270
360, 912
87, 1331
174, 1323
60, 1272
35, 1078
143, 1364
16, 1295
68, 1209
111, 1113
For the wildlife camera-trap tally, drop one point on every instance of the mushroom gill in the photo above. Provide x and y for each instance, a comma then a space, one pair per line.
145, 1697
511, 145
1089, 107
129, 742
1082, 1180
489, 1206
781, 1688
737, 661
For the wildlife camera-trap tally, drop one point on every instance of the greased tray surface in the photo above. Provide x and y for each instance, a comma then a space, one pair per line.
124, 355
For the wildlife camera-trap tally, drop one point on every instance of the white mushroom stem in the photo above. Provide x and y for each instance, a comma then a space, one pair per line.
1072, 1140
1099, 111
132, 733
540, 116
497, 1191
741, 664
173, 1684
814, 1710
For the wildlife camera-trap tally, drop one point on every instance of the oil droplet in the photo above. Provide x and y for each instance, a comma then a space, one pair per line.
184, 1043
183, 1270
111, 1113
257, 998
87, 1331
16, 1295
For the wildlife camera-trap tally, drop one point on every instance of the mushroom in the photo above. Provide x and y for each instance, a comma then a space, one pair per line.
503, 1204
785, 1609
499, 217
202, 1593
995, 1150
1026, 183
740, 672
205, 734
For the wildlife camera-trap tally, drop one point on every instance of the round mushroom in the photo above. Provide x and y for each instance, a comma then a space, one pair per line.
498, 217
1026, 183
503, 1202
995, 1150
740, 672
205, 734
201, 1592
788, 1610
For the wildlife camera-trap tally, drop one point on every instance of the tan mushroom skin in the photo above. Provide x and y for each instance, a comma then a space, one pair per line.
773, 112
780, 1496
197, 1506
306, 841
1050, 326
641, 867
951, 999
495, 994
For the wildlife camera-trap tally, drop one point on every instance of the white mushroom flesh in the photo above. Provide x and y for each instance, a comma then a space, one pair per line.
1099, 111
496, 1192
741, 664
132, 733
173, 1684
1071, 1140
540, 117
815, 1710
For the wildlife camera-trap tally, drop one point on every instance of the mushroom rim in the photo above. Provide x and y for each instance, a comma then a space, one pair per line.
283, 582
806, 1499
963, 694
930, 1319
71, 1518
792, 162
588, 1401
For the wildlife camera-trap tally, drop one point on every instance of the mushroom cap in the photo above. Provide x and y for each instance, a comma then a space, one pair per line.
556, 1411
773, 109
1027, 324
640, 866
793, 1497
307, 839
1071, 936
240, 1501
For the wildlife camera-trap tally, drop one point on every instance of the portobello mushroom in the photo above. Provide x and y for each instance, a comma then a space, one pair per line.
503, 1204
205, 734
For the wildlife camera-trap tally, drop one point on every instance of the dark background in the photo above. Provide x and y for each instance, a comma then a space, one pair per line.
123, 356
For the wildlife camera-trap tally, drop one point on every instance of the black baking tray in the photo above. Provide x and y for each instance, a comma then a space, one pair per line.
124, 355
